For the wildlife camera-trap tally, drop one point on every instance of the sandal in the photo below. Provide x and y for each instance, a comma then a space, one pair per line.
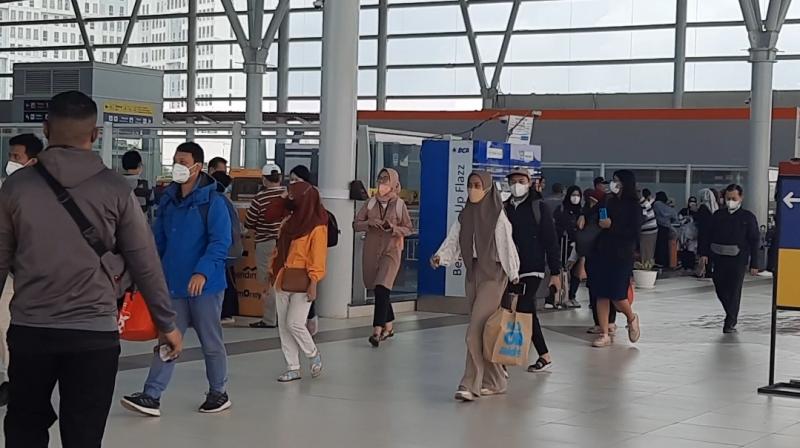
375, 340
289, 376
540, 365
387, 335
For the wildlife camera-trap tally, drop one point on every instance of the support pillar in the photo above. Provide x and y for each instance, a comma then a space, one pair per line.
679, 76
191, 67
283, 76
757, 194
254, 113
337, 155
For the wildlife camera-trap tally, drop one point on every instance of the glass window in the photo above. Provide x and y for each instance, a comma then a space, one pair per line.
435, 81
434, 104
305, 24
716, 76
717, 41
789, 40
716, 10
587, 79
442, 50
304, 83
425, 19
594, 13
592, 46
785, 75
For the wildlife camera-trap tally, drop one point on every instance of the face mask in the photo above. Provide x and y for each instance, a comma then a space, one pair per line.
384, 189
13, 167
733, 205
476, 195
520, 190
575, 200
693, 207
180, 173
614, 187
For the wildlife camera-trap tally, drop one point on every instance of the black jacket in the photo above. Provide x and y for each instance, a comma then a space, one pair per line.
619, 242
702, 219
537, 244
739, 228
567, 220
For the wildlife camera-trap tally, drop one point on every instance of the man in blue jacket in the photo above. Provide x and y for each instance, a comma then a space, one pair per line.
193, 235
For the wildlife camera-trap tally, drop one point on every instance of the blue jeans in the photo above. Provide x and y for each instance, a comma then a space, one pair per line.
202, 313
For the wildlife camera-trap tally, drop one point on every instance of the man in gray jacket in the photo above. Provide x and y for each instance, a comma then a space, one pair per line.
64, 309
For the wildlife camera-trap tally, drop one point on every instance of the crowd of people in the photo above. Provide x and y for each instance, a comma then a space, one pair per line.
67, 218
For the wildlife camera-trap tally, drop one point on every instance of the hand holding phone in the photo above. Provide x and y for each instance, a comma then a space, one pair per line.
517, 288
603, 213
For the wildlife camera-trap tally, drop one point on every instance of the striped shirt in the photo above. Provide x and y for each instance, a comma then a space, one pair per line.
649, 225
256, 218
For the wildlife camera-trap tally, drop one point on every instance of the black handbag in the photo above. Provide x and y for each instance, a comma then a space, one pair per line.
586, 238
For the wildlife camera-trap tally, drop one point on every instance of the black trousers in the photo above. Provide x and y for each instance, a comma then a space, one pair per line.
82, 364
527, 304
612, 310
230, 303
384, 313
662, 246
729, 275
574, 283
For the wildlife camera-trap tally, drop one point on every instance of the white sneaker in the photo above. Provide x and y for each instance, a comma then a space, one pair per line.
464, 395
602, 341
485, 392
228, 321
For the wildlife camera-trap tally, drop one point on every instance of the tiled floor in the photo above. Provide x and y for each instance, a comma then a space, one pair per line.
685, 385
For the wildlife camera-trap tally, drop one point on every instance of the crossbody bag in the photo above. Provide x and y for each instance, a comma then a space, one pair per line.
112, 263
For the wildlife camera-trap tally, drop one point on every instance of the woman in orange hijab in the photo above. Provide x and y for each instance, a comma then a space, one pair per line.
386, 222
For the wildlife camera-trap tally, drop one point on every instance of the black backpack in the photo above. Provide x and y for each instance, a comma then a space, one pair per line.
333, 230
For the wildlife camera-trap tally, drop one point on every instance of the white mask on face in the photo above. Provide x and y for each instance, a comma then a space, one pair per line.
520, 190
181, 173
13, 167
614, 187
575, 200
733, 205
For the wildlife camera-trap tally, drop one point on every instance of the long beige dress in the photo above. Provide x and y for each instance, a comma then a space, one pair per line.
383, 249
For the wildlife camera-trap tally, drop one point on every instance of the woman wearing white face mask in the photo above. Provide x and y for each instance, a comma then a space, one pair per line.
385, 221
733, 243
567, 226
483, 234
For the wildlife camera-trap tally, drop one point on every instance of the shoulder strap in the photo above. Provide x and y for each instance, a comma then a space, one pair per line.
371, 203
88, 231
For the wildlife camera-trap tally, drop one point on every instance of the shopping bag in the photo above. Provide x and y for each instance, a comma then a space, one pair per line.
134, 321
507, 336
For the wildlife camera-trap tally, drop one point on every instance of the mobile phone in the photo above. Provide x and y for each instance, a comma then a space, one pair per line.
163, 352
518, 289
603, 213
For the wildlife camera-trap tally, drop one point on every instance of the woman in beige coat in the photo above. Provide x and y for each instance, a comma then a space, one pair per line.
483, 237
386, 222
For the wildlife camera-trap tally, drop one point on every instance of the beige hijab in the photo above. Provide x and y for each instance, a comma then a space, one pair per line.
394, 183
478, 223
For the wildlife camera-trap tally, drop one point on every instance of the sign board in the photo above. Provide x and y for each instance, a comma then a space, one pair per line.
520, 129
788, 284
126, 112
35, 111
459, 168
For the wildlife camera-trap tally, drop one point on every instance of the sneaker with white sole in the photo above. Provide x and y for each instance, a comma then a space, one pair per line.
486, 392
634, 331
316, 365
143, 404
603, 341
289, 376
215, 402
464, 395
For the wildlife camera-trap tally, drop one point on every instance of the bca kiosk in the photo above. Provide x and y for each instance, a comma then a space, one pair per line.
786, 282
446, 166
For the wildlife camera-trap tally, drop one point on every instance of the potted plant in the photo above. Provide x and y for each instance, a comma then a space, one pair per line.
644, 274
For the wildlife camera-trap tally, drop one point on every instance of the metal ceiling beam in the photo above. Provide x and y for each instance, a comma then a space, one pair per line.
776, 14
473, 46
236, 26
383, 50
272, 29
501, 57
129, 31
679, 66
87, 43
752, 19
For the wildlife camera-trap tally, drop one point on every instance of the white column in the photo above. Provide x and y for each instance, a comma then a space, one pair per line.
337, 155
757, 193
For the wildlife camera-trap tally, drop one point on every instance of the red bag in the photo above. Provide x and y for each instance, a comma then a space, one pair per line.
135, 322
630, 293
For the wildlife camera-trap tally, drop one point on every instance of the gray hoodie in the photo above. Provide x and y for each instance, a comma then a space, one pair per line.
58, 281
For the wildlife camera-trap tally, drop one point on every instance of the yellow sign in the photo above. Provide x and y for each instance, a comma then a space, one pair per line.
128, 108
788, 286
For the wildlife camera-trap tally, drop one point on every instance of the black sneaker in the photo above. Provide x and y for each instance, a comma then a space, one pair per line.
143, 404
215, 402
3, 394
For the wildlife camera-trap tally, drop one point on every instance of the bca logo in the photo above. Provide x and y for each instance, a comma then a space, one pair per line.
461, 150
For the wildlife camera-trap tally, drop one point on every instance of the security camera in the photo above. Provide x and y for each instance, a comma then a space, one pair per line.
319, 4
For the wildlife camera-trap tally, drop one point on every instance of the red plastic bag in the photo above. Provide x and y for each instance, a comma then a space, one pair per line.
135, 322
